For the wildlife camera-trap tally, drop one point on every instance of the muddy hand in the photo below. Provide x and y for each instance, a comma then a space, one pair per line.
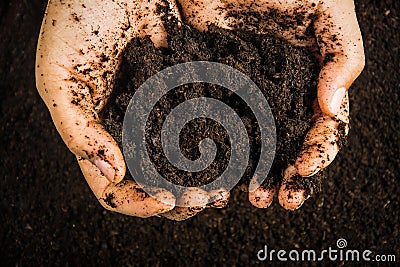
327, 28
78, 52
341, 48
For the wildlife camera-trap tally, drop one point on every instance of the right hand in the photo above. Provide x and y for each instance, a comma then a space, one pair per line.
327, 28
79, 49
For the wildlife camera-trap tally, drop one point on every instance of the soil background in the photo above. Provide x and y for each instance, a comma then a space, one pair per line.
50, 217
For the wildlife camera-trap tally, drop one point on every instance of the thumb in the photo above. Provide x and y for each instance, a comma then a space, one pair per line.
73, 112
341, 47
334, 81
86, 138
75, 68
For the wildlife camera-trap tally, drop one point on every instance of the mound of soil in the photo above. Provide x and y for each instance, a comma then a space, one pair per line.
286, 75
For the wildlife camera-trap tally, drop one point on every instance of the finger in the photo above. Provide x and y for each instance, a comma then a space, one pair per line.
192, 201
218, 198
341, 47
261, 196
78, 53
322, 142
290, 197
72, 109
85, 137
74, 81
126, 197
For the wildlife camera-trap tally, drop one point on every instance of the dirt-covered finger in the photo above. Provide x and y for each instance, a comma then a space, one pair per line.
219, 198
323, 141
290, 197
341, 46
126, 197
192, 201
261, 196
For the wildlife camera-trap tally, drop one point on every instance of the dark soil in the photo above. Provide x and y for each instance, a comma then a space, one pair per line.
286, 75
50, 217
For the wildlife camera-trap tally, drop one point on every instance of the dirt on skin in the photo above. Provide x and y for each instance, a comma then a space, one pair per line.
49, 216
286, 75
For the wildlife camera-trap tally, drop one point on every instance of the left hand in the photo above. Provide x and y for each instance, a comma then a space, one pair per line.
79, 50
327, 28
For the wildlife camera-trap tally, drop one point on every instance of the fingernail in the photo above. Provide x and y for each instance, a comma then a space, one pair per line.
313, 173
107, 170
337, 100
254, 184
301, 204
218, 198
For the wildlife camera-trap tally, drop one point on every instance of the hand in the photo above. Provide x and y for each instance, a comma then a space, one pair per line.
330, 30
79, 49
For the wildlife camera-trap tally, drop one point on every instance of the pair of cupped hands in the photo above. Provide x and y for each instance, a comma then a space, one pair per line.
80, 47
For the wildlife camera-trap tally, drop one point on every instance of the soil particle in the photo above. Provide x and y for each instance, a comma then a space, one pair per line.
109, 200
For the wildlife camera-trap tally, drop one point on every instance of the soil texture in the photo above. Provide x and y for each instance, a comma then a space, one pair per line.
286, 75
